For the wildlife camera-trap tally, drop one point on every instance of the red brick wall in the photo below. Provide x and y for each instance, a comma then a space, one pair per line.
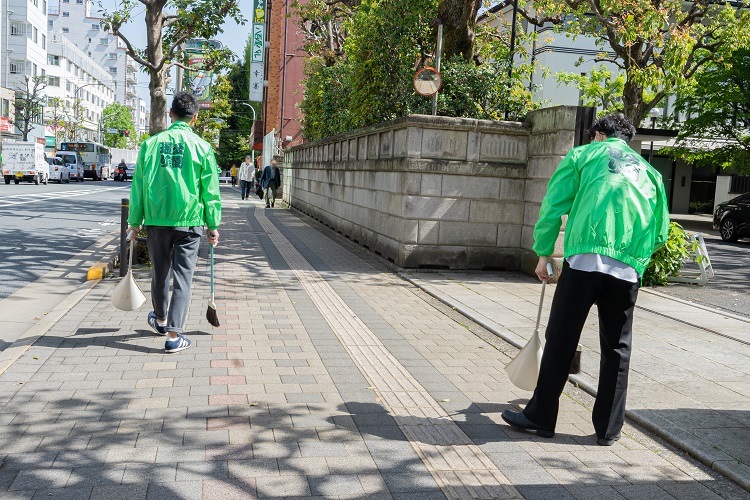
285, 74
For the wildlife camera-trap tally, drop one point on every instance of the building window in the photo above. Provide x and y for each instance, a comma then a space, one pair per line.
113, 70
17, 68
67, 85
65, 1
66, 30
66, 13
6, 108
36, 35
44, 6
51, 23
44, 41
113, 56
53, 60
53, 81
79, 2
96, 27
18, 28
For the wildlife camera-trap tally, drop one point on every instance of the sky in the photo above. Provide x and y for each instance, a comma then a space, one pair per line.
234, 36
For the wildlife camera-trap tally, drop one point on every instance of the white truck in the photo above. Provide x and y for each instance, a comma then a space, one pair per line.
25, 161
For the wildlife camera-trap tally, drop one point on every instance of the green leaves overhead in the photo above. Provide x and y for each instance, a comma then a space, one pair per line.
717, 108
117, 116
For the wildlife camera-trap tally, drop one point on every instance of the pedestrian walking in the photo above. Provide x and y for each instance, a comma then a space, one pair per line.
233, 173
247, 175
270, 179
175, 192
617, 217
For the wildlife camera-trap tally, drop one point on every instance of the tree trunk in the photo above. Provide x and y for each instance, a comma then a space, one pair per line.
634, 108
155, 53
459, 18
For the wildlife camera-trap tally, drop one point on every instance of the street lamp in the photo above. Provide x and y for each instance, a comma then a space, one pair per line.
75, 99
252, 130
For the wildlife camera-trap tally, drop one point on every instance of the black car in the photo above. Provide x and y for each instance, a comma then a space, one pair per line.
732, 218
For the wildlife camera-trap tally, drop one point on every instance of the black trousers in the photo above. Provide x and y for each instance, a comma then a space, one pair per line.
615, 299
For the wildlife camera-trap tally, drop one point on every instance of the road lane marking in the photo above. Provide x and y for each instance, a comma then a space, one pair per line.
57, 195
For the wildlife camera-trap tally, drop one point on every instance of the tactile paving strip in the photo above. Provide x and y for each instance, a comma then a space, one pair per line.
459, 467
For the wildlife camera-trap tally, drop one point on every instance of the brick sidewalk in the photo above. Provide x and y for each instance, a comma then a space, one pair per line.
329, 377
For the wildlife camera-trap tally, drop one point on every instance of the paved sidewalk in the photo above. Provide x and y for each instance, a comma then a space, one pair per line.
690, 369
330, 376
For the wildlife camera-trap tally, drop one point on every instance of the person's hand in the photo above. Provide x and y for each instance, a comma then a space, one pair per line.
213, 237
541, 269
131, 233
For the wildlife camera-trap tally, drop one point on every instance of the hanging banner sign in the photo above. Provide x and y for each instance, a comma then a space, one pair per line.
258, 46
256, 81
198, 79
259, 11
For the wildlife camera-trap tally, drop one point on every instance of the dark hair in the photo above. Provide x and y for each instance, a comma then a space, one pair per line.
614, 125
184, 105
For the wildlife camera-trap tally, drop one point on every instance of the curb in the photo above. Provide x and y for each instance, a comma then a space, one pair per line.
18, 348
588, 388
102, 268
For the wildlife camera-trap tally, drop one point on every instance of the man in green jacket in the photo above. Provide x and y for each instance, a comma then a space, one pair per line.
175, 192
617, 218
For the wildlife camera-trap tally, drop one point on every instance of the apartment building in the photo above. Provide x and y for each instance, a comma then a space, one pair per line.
74, 20
72, 75
141, 116
23, 54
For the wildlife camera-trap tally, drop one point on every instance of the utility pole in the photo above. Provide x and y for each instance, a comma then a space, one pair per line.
438, 59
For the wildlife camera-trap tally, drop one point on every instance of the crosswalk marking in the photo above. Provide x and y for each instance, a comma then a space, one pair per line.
23, 199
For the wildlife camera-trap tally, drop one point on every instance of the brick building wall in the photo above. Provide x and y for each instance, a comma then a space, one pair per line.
284, 72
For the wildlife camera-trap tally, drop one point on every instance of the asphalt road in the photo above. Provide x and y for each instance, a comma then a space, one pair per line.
43, 226
729, 289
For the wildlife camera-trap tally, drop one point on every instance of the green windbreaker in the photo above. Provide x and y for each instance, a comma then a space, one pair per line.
615, 202
176, 182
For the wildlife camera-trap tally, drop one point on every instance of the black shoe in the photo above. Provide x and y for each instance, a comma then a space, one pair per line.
268, 206
243, 197
518, 419
608, 442
272, 205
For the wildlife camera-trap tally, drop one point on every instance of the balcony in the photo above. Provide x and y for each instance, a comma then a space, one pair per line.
130, 63
130, 77
130, 91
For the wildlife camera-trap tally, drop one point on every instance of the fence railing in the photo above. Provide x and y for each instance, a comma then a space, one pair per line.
740, 184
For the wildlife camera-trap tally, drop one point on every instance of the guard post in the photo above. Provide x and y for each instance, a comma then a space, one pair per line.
124, 212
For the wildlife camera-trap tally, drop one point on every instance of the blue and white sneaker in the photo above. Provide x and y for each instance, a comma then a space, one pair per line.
156, 327
176, 345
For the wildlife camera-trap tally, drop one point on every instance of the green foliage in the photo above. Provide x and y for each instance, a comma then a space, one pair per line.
55, 118
701, 207
366, 77
117, 116
29, 103
716, 131
668, 260
599, 87
658, 45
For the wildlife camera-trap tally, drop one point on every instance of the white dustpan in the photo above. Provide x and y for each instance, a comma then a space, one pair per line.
523, 371
127, 296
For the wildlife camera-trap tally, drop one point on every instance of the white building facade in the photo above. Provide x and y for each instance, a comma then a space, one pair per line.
72, 75
24, 50
73, 19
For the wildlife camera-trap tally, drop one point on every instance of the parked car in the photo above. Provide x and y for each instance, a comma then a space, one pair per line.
58, 171
732, 218
74, 162
123, 174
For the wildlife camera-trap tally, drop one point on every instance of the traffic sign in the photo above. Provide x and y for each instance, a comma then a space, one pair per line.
113, 131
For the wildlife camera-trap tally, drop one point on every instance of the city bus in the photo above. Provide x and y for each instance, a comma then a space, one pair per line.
96, 157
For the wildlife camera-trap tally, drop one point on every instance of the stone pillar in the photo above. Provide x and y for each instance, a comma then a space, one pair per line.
553, 134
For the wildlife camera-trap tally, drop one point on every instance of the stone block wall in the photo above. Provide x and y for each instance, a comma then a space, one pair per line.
432, 192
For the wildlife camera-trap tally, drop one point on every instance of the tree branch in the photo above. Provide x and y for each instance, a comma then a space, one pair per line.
131, 51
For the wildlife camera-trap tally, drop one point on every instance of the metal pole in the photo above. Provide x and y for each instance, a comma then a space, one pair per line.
124, 211
512, 51
439, 56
